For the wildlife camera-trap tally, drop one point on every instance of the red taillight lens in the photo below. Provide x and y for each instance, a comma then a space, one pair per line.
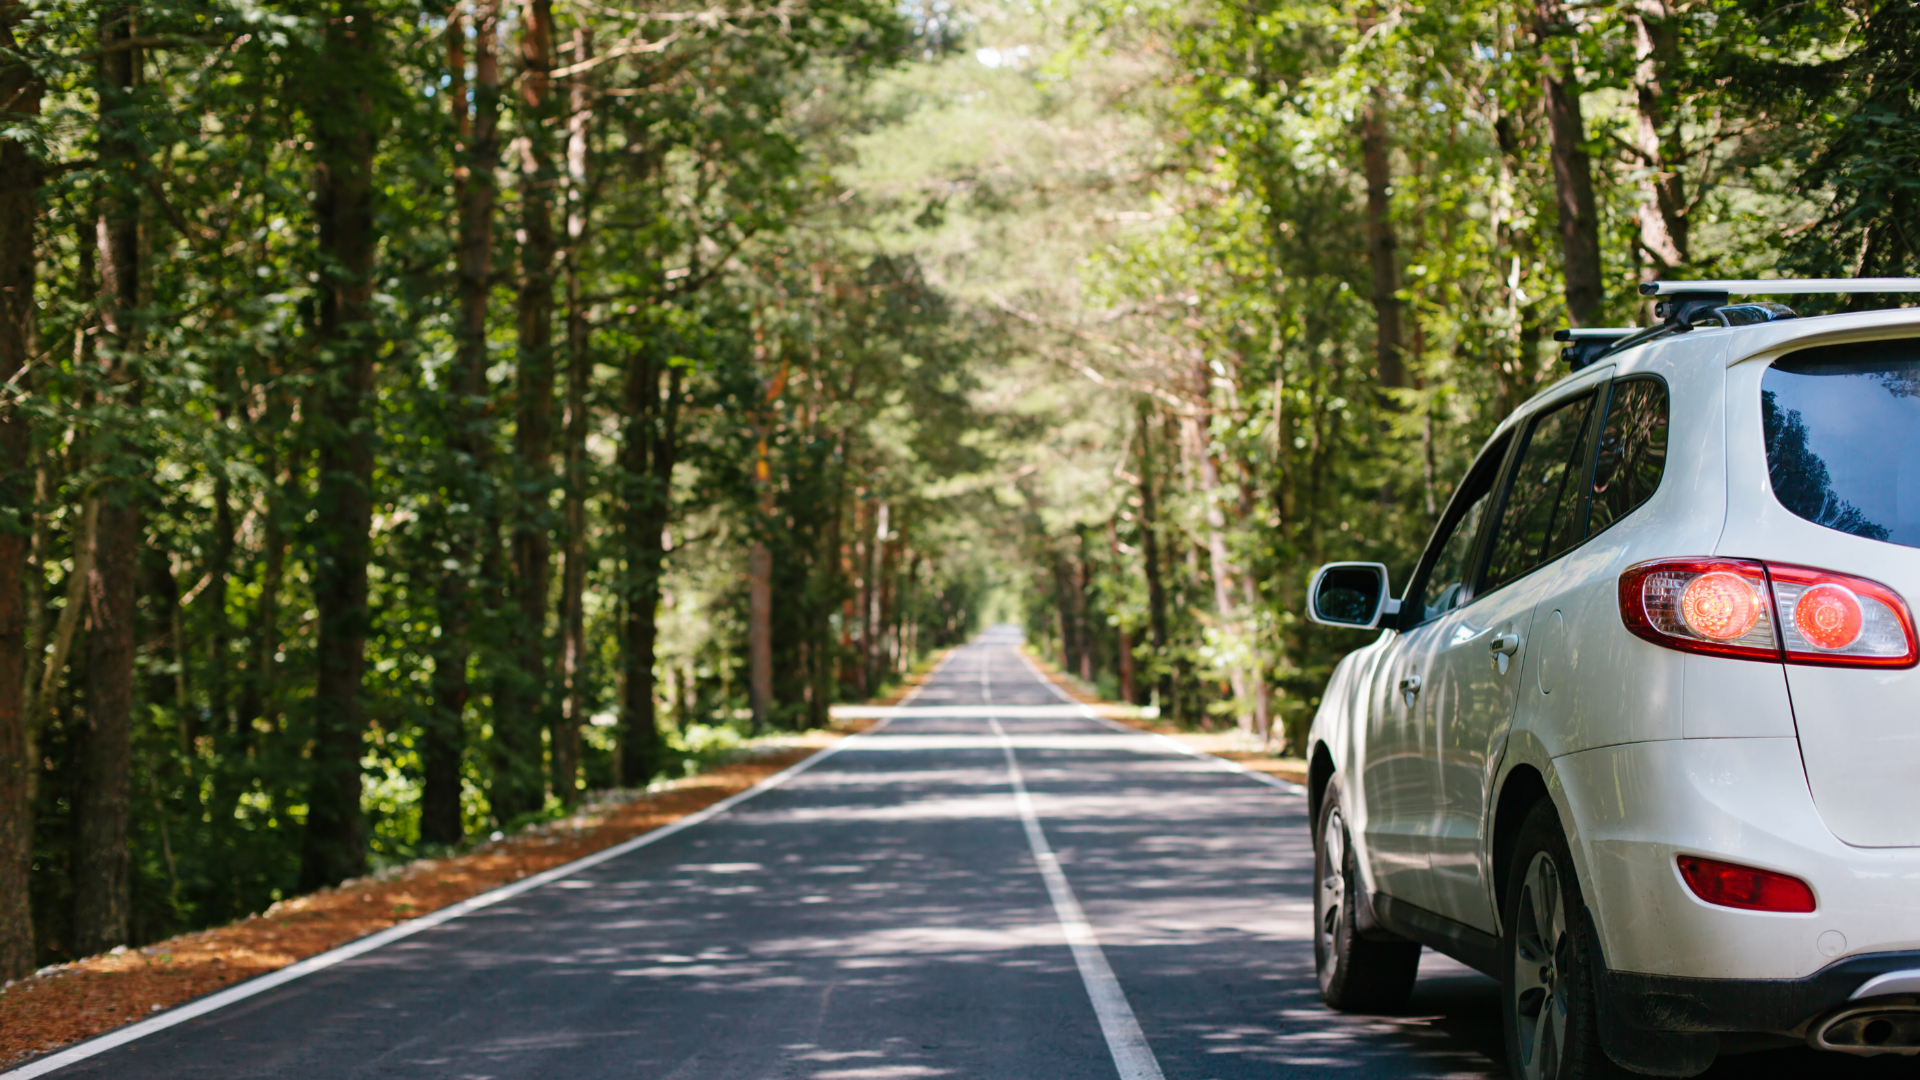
1720, 606
1715, 606
1745, 887
1828, 616
1732, 607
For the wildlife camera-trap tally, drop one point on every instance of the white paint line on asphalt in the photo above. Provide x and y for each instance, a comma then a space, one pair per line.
264, 983
1132, 1057
1223, 764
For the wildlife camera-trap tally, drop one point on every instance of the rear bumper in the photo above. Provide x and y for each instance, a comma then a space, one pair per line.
1774, 1006
1634, 807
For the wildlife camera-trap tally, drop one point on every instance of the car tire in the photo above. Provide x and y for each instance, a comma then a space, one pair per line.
1357, 974
1548, 1007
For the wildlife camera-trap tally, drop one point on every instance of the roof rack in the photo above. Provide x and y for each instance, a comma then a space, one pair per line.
1589, 343
1783, 286
1682, 303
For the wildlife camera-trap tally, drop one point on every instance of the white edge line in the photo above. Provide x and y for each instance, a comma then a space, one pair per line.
1220, 763
261, 984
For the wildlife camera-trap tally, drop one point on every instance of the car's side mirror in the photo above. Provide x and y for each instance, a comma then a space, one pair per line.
1353, 594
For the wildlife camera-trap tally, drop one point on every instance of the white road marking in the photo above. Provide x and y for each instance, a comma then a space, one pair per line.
1132, 1057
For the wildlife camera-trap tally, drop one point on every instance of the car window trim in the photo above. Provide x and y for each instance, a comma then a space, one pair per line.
1589, 456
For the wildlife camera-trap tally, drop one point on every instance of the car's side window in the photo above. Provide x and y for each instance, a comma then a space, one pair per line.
1543, 514
1444, 586
1633, 450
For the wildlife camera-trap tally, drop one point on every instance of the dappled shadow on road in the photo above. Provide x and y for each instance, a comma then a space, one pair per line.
880, 916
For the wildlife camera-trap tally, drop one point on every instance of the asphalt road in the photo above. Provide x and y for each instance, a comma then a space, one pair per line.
888, 914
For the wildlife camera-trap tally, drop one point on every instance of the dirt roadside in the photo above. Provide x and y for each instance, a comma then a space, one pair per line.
64, 1004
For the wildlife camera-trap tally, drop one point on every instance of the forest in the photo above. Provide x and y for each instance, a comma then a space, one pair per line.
417, 416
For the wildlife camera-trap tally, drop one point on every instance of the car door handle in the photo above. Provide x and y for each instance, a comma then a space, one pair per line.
1409, 686
1504, 644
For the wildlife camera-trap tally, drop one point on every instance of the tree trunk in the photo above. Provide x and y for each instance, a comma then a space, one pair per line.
1129, 692
1663, 209
760, 562
823, 654
889, 608
876, 571
648, 456
101, 873
573, 565
1382, 245
257, 691
19, 184
344, 130
1063, 588
760, 634
1225, 580
1572, 171
471, 539
520, 695
1082, 581
858, 563
1150, 562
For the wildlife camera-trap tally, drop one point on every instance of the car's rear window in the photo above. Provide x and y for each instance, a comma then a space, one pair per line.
1843, 437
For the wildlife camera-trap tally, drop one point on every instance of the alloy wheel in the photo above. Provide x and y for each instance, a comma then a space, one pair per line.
1540, 961
1333, 881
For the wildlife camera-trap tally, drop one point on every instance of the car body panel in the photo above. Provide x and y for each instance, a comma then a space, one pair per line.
1399, 787
1473, 699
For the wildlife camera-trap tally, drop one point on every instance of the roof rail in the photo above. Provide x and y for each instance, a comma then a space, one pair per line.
1684, 301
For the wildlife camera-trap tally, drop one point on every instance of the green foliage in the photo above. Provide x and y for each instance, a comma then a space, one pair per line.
956, 312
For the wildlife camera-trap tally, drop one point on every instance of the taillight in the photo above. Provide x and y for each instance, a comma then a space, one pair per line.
1715, 606
1746, 887
1838, 619
1767, 611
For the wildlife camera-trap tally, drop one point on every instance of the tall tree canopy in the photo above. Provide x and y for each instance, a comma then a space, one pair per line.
416, 416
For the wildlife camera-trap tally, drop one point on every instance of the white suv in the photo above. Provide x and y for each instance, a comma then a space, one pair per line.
1641, 739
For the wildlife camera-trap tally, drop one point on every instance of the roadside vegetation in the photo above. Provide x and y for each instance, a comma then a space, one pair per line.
417, 417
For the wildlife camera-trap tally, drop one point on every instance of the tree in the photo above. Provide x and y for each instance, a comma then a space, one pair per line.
342, 111
472, 542
21, 89
101, 872
520, 693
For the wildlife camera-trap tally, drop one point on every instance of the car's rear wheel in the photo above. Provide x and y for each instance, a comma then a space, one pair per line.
1357, 974
1551, 1027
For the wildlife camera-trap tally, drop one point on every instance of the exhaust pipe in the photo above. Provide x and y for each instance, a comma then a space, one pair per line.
1869, 1029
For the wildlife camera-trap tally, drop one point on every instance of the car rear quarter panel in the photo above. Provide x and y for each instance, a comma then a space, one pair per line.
1859, 729
1591, 683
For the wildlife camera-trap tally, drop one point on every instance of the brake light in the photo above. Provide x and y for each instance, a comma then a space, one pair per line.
1745, 887
1751, 610
1720, 606
1714, 606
